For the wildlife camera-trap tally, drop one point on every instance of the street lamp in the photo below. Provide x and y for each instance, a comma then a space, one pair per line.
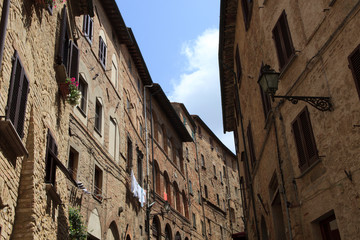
164, 210
269, 80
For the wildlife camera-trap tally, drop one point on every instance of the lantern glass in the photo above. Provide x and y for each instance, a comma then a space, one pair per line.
269, 80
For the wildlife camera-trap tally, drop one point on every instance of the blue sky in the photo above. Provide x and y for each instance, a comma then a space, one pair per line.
179, 42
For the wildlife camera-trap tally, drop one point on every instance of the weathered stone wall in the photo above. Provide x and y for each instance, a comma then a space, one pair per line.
323, 37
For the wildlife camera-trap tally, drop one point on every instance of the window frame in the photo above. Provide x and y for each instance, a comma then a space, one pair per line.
98, 183
83, 88
251, 145
247, 12
354, 66
50, 159
88, 28
102, 52
98, 116
281, 33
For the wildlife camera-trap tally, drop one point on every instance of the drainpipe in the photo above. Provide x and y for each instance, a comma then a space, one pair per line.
282, 180
147, 166
3, 27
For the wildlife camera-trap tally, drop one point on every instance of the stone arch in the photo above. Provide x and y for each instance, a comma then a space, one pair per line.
156, 228
112, 232
128, 237
185, 203
94, 225
177, 236
168, 234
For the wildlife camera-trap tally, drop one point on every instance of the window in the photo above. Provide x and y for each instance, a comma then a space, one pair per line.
211, 143
141, 130
112, 137
140, 156
167, 193
209, 224
206, 191
88, 27
214, 167
68, 52
221, 179
221, 232
238, 66
202, 228
98, 181
251, 146
102, 52
50, 158
157, 177
114, 73
17, 98
304, 139
283, 43
218, 199
190, 187
266, 102
224, 171
247, 12
224, 203
98, 115
232, 214
129, 154
83, 89
194, 220
73, 162
202, 161
185, 203
354, 63
329, 228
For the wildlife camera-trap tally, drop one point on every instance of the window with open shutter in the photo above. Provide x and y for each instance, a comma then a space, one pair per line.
73, 60
238, 65
304, 140
88, 27
354, 64
17, 98
247, 12
50, 158
251, 146
102, 52
283, 43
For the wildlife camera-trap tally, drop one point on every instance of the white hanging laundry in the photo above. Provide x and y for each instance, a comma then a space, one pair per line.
137, 190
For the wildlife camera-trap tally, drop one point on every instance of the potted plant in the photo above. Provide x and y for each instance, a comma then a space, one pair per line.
69, 90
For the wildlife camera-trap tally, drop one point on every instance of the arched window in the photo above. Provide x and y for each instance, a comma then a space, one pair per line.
167, 187
177, 236
176, 203
168, 235
156, 228
157, 178
112, 233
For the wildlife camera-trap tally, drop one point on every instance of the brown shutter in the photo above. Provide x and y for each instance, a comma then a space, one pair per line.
51, 153
74, 56
277, 39
63, 39
238, 65
354, 64
18, 91
304, 139
251, 145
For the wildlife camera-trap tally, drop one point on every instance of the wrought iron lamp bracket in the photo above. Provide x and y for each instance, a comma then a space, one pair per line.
320, 103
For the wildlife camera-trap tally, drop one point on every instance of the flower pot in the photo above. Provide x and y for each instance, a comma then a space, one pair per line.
64, 89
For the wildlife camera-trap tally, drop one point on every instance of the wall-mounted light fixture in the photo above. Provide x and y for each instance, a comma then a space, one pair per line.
269, 80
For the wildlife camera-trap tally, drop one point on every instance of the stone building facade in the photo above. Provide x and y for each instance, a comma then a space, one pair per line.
55, 155
299, 167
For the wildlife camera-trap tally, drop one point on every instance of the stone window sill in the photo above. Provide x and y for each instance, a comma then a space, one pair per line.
10, 141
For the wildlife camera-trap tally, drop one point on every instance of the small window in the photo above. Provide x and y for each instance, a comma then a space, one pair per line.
238, 66
187, 153
251, 145
73, 162
232, 214
98, 183
211, 143
140, 156
304, 139
247, 12
114, 73
209, 226
283, 43
83, 89
354, 64
224, 171
129, 154
329, 228
112, 137
190, 187
17, 98
194, 220
88, 27
218, 199
102, 52
214, 167
51, 155
206, 191
98, 116
202, 228
202, 161
141, 130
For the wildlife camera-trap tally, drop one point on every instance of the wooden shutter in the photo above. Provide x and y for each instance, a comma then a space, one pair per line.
73, 60
354, 64
251, 145
238, 66
283, 42
17, 98
51, 154
304, 139
63, 39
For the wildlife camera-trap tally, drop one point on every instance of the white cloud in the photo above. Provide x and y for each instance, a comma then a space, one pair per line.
198, 87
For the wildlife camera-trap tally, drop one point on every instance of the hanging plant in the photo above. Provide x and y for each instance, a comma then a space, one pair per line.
77, 229
70, 92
